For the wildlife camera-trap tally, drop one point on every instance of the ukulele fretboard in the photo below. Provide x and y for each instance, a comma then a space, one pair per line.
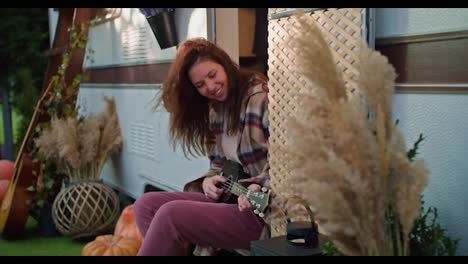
234, 187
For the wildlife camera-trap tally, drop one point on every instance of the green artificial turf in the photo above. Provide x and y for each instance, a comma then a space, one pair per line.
32, 244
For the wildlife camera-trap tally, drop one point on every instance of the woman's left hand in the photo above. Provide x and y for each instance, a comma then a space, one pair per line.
243, 201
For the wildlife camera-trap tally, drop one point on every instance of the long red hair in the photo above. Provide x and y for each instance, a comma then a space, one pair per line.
189, 111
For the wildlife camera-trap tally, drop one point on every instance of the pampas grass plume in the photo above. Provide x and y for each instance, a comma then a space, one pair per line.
351, 170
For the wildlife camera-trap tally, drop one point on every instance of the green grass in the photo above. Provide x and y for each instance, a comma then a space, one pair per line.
15, 119
1, 125
34, 245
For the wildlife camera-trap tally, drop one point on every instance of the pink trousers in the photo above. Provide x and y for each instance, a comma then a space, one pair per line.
173, 222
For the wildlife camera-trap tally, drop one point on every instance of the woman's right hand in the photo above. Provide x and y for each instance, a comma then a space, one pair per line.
210, 189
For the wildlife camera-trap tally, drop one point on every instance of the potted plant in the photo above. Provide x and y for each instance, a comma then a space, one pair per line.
162, 23
59, 102
80, 146
427, 237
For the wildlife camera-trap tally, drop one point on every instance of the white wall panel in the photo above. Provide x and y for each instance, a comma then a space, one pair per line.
442, 119
392, 22
129, 40
146, 156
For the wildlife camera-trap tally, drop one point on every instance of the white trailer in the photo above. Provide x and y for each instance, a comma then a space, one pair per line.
130, 66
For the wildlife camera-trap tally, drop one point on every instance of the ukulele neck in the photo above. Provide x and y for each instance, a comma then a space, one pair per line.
238, 189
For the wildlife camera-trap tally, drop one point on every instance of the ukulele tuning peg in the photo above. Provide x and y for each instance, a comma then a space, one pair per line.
261, 215
256, 211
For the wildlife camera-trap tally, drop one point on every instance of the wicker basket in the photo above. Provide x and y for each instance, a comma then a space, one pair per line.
85, 208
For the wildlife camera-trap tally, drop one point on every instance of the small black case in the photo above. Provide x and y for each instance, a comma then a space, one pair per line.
286, 245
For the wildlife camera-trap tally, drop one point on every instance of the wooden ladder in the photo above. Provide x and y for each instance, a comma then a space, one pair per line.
14, 209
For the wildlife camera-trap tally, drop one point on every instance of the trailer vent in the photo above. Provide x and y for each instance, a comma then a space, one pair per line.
144, 140
135, 44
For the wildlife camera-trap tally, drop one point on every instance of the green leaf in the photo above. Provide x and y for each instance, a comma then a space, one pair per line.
329, 249
76, 80
40, 203
49, 184
73, 33
411, 154
428, 238
82, 44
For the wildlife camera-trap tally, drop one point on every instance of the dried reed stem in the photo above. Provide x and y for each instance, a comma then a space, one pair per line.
351, 169
81, 147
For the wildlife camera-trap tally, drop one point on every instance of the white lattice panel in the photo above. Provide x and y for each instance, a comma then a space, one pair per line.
343, 30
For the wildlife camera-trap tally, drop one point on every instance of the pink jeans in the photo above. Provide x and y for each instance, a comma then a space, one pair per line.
172, 222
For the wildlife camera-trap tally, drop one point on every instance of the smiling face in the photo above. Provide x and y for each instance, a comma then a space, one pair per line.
210, 79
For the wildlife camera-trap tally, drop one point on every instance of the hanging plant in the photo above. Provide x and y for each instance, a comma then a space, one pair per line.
162, 23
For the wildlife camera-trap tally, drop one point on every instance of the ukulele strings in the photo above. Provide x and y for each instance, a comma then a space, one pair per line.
229, 183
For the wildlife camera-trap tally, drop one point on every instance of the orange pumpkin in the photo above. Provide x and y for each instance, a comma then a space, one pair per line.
3, 189
7, 168
110, 245
126, 225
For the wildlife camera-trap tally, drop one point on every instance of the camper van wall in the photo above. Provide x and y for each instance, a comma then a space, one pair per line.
128, 64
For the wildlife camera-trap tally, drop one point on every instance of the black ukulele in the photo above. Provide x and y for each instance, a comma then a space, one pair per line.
233, 172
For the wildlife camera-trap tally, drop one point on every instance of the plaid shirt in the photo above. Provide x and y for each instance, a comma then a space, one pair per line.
252, 150
253, 145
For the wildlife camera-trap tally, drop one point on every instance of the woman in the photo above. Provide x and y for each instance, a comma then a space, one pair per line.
219, 110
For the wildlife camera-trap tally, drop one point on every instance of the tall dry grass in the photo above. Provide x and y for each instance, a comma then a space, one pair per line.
351, 167
80, 146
